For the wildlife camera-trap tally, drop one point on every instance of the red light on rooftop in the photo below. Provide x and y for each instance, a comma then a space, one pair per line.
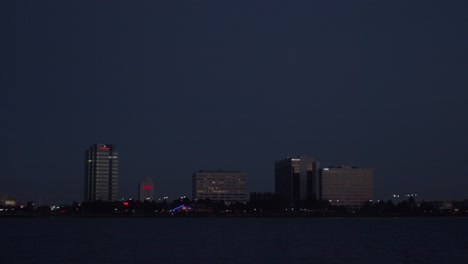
125, 203
146, 187
104, 148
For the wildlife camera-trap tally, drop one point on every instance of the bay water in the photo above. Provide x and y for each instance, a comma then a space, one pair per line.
234, 240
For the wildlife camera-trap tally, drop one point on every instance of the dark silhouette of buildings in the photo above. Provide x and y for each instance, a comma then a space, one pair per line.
101, 173
296, 179
262, 196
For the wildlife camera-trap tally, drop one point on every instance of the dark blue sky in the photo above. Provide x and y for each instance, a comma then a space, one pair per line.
180, 86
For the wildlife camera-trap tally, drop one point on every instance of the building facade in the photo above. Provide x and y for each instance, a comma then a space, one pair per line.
219, 185
101, 173
296, 179
347, 186
262, 196
146, 190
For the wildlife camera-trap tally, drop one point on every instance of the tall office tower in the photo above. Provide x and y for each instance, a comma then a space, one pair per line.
101, 173
347, 186
146, 190
219, 185
296, 179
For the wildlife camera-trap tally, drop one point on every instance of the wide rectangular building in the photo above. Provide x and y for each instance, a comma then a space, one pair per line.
347, 186
296, 179
219, 185
101, 173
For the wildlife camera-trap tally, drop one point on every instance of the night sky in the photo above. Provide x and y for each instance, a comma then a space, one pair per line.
180, 86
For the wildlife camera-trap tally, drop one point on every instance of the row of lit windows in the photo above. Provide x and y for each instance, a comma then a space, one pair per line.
224, 178
326, 180
220, 180
220, 191
103, 157
224, 186
220, 183
201, 196
341, 176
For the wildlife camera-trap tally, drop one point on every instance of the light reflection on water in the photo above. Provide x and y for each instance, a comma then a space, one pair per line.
234, 240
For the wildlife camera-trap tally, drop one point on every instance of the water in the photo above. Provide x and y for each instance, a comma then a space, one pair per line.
234, 240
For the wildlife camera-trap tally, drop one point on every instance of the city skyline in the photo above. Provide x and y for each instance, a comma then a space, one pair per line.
175, 193
305, 190
181, 85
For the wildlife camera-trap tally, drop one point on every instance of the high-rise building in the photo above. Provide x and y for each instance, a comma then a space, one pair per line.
101, 173
146, 190
347, 186
219, 185
296, 179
